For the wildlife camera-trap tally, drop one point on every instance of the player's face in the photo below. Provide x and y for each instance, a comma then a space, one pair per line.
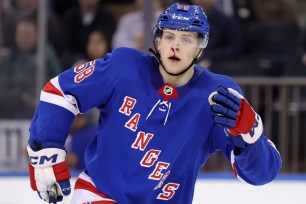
178, 49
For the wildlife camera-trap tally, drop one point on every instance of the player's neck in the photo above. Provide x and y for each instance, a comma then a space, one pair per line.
176, 80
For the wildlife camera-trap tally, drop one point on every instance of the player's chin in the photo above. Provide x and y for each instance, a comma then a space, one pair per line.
174, 65
174, 70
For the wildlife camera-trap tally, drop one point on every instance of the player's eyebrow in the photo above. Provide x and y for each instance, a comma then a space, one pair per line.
187, 34
169, 32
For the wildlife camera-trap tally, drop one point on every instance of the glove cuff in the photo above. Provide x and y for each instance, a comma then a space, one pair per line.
255, 133
36, 146
251, 137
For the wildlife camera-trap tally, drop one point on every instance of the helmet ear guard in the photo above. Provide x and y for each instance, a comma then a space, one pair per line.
157, 32
203, 41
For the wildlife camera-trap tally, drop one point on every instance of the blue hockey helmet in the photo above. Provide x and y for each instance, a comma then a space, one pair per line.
184, 17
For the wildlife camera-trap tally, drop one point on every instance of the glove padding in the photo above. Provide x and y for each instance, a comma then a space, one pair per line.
234, 113
48, 167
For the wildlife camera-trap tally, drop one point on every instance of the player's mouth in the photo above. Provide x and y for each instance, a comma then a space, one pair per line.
174, 59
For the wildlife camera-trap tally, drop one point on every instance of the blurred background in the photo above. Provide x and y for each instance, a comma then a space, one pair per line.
260, 43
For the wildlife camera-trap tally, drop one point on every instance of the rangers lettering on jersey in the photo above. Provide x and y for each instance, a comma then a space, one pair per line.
150, 157
127, 105
142, 140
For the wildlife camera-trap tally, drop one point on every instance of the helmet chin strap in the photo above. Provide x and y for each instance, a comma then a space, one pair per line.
157, 56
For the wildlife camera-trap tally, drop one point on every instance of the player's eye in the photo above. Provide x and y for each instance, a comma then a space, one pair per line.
169, 37
188, 41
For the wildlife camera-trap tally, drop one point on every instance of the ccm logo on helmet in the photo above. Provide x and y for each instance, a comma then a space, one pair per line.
43, 159
180, 17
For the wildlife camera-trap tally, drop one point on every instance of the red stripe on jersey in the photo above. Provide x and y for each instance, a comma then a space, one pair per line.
82, 184
235, 169
50, 88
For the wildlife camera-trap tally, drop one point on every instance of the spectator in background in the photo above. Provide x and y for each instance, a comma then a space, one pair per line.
225, 40
80, 22
19, 69
6, 25
82, 131
29, 9
96, 47
61, 7
244, 11
130, 30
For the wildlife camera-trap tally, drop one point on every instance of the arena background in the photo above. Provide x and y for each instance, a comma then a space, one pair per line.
271, 72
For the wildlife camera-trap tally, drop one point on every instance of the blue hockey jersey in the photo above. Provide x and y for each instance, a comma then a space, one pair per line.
149, 146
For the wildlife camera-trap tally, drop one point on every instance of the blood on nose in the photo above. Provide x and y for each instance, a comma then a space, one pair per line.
173, 51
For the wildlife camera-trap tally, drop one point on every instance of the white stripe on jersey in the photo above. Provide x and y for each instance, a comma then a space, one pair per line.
66, 101
58, 100
85, 177
85, 195
234, 166
273, 145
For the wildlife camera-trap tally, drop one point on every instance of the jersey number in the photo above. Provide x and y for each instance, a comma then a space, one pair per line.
83, 71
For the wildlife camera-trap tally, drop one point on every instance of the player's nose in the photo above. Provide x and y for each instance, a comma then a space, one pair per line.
175, 45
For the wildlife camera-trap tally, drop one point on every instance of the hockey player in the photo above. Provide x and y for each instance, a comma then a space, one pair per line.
161, 118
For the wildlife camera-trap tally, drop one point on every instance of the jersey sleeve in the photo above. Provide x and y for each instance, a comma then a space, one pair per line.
257, 164
74, 91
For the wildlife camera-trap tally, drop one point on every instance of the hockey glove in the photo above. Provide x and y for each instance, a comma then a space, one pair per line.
47, 167
233, 112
